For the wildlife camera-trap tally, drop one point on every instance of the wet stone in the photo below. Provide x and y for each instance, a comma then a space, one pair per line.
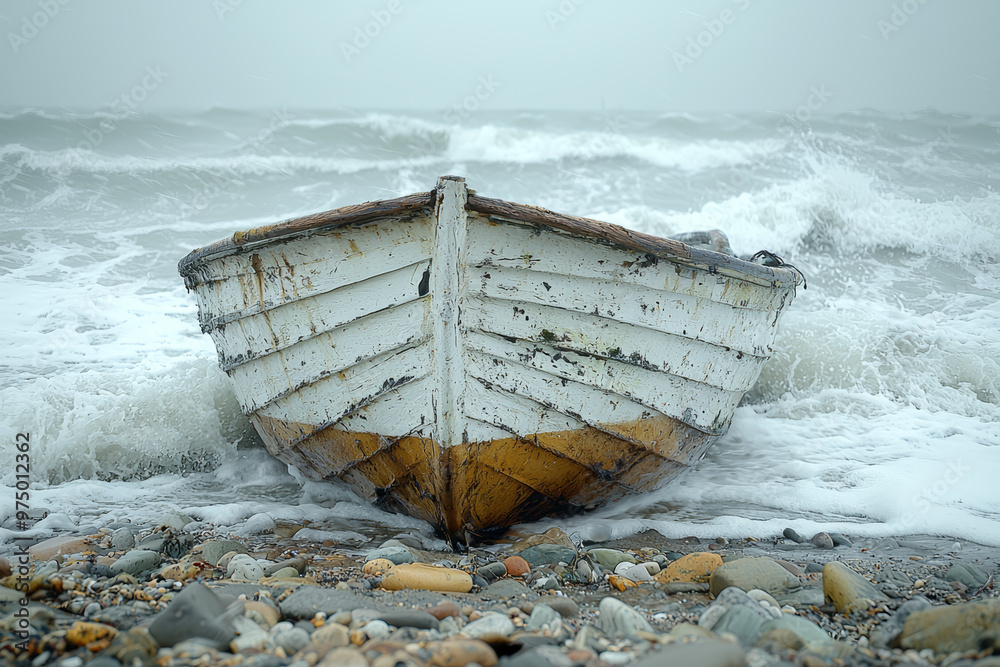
969, 626
306, 601
544, 554
542, 616
790, 534
822, 541
492, 571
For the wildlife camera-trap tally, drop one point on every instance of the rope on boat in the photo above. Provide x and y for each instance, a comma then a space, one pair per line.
768, 258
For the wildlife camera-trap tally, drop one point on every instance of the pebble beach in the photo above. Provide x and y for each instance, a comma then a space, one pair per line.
180, 593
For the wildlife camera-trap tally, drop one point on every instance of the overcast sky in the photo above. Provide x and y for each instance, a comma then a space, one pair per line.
667, 55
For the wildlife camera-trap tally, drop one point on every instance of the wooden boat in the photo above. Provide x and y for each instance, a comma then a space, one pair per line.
478, 363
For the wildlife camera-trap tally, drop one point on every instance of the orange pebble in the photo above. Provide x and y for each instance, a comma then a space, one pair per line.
621, 583
516, 566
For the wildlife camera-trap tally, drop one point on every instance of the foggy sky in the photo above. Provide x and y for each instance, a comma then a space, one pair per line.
668, 55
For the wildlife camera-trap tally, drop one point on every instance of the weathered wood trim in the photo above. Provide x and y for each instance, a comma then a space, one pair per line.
338, 217
446, 292
605, 232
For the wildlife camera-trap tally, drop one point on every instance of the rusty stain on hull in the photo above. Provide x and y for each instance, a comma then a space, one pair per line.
476, 488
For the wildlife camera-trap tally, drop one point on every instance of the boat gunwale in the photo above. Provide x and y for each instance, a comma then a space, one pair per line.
595, 230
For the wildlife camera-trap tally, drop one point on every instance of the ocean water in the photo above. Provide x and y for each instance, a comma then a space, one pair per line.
878, 415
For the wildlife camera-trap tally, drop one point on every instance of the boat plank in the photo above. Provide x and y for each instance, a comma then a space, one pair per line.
268, 378
284, 326
494, 244
658, 390
273, 283
626, 343
334, 397
677, 314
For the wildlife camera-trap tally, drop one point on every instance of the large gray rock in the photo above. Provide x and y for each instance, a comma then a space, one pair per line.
543, 615
122, 539
566, 606
620, 620
749, 573
969, 626
490, 623
195, 612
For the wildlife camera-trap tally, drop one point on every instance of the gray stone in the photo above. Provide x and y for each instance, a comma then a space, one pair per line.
291, 639
195, 612
122, 539
736, 597
609, 558
822, 541
305, 601
790, 534
749, 573
397, 555
136, 562
620, 620
376, 629
492, 571
213, 550
244, 567
971, 575
708, 653
711, 616
566, 606
841, 540
847, 590
810, 633
539, 656
507, 588
541, 616
741, 621
490, 623
410, 618
543, 554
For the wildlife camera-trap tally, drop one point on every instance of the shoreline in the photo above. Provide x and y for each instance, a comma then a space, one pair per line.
538, 599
